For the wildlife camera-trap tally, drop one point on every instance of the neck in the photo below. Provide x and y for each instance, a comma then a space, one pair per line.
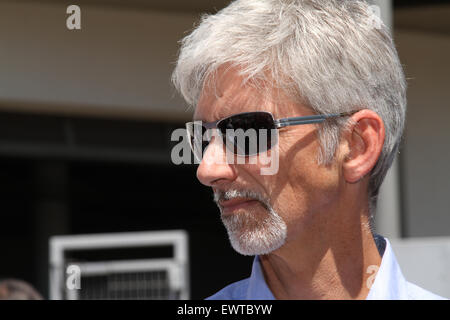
330, 260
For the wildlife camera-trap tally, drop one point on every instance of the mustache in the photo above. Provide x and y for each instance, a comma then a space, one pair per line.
220, 195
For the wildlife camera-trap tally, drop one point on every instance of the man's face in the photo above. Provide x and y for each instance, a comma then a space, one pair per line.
263, 212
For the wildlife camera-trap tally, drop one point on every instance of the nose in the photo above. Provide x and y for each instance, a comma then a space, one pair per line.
214, 169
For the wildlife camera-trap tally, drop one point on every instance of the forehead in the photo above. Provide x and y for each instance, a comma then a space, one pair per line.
227, 94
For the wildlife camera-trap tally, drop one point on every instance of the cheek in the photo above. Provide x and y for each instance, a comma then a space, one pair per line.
305, 186
308, 175
300, 186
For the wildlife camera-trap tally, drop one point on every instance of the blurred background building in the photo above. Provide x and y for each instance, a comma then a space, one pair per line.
86, 118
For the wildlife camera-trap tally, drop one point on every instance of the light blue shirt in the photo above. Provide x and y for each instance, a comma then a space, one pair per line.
389, 284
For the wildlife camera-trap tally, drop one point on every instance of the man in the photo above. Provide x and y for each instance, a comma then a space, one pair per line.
322, 81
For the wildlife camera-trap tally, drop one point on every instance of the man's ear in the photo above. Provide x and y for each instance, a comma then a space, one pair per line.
365, 139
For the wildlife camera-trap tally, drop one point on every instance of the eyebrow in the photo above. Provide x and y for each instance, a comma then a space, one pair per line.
226, 106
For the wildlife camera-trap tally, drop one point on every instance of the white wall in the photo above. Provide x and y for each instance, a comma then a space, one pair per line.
118, 64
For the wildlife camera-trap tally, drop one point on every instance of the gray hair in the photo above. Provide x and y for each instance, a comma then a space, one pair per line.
332, 55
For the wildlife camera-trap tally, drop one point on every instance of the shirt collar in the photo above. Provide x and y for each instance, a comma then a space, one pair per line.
389, 282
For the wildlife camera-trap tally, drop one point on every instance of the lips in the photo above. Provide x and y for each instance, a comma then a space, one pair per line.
229, 206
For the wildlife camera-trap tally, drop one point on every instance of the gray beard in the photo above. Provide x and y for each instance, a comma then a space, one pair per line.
250, 233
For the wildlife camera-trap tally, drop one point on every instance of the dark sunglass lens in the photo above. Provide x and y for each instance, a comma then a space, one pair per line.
249, 133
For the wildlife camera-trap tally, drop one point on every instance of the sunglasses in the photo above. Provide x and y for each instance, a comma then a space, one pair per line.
248, 133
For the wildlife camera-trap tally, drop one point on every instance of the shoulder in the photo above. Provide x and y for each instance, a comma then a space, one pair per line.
417, 293
234, 291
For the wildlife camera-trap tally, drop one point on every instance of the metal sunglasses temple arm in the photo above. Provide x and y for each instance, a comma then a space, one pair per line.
285, 122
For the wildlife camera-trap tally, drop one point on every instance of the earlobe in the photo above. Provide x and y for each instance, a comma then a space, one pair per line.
365, 143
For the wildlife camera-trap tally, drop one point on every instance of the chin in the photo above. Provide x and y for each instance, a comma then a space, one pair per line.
252, 234
253, 248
